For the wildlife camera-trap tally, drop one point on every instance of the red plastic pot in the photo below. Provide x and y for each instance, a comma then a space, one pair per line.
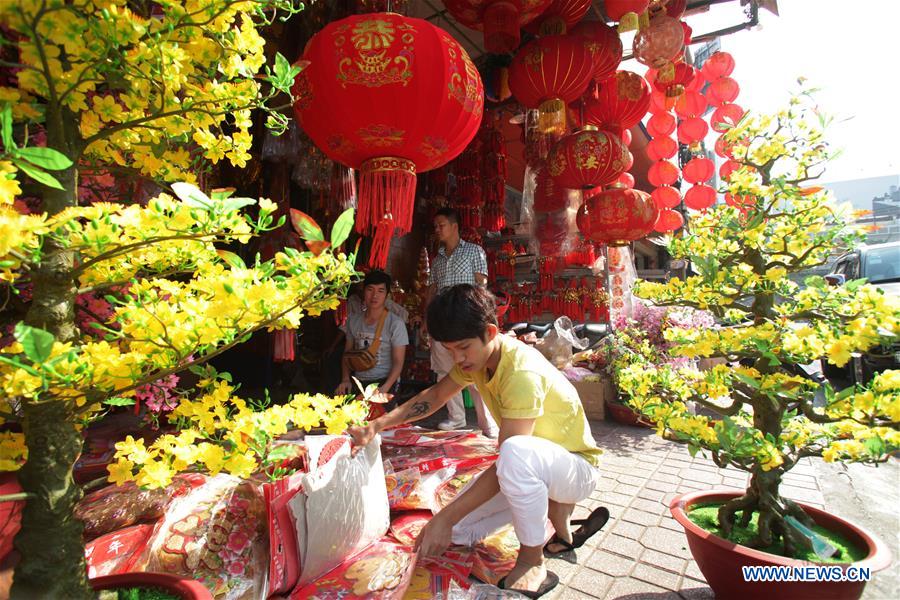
720, 561
186, 588
624, 415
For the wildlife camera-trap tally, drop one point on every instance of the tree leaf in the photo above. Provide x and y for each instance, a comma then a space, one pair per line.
343, 225
37, 174
119, 401
46, 158
191, 195
221, 193
232, 259
306, 226
875, 445
37, 344
317, 247
233, 204
6, 127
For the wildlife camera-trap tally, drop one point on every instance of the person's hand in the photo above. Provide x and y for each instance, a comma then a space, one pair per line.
343, 388
361, 435
435, 537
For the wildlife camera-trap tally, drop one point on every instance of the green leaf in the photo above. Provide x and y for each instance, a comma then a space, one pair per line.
306, 226
191, 195
6, 127
119, 401
343, 225
233, 204
875, 445
37, 174
279, 453
232, 259
37, 344
46, 158
221, 193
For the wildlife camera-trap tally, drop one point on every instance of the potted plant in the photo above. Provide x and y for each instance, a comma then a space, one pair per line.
157, 90
766, 413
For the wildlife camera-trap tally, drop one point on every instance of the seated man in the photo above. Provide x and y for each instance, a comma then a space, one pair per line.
548, 459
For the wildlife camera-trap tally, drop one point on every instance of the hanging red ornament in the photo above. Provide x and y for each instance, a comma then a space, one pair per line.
364, 67
559, 17
626, 179
626, 137
587, 159
548, 195
625, 12
629, 162
662, 172
665, 196
722, 91
743, 202
691, 105
726, 117
700, 197
726, 149
688, 33
499, 19
660, 103
661, 124
622, 101
381, 243
668, 221
617, 216
661, 148
676, 8
696, 84
691, 131
728, 167
603, 42
672, 79
719, 64
547, 74
698, 170
660, 42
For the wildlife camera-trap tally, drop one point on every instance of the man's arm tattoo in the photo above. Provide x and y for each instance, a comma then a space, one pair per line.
419, 408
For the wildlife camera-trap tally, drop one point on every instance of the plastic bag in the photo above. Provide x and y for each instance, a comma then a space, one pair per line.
557, 345
480, 591
116, 552
495, 555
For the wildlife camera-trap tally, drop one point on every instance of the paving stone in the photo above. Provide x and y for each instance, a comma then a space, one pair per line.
564, 569
653, 495
670, 523
666, 541
634, 589
693, 571
622, 545
606, 484
666, 478
668, 469
637, 482
710, 478
659, 486
629, 530
656, 576
803, 495
651, 506
566, 593
616, 498
665, 561
801, 483
609, 563
640, 517
624, 488
735, 483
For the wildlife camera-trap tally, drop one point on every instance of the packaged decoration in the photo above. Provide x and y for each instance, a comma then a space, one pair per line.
116, 552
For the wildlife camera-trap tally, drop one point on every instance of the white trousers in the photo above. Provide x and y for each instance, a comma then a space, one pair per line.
442, 363
531, 471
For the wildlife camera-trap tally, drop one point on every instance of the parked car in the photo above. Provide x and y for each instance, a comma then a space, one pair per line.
880, 265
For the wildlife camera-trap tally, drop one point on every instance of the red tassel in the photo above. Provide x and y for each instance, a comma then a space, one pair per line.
387, 185
381, 244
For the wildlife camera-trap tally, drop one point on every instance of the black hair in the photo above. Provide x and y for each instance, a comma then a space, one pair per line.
449, 213
461, 312
377, 278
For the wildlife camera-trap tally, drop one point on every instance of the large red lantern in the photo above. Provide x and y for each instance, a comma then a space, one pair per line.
692, 131
659, 43
499, 19
559, 17
661, 148
720, 64
617, 216
700, 197
698, 170
372, 69
690, 105
662, 172
603, 42
547, 74
725, 117
665, 196
722, 91
672, 79
622, 101
625, 12
668, 221
587, 159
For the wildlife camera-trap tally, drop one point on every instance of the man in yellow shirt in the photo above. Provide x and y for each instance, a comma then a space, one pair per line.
548, 459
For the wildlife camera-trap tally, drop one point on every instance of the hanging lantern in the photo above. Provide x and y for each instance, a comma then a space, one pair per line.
661, 124
626, 179
676, 8
660, 103
742, 203
559, 17
698, 170
547, 74
719, 64
692, 131
587, 159
665, 196
726, 117
622, 101
617, 216
726, 149
700, 197
662, 172
672, 78
603, 42
690, 105
696, 84
625, 12
369, 69
668, 221
499, 19
722, 91
661, 148
660, 42
728, 167
688, 33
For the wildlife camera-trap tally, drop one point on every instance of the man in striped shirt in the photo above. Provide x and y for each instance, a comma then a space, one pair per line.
457, 262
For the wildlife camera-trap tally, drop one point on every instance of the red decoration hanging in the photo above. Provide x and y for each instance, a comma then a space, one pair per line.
691, 105
369, 69
728, 167
559, 17
673, 78
668, 221
626, 179
700, 197
547, 74
726, 117
722, 91
676, 8
696, 84
660, 42
626, 137
665, 196
499, 19
622, 101
661, 124
661, 148
692, 131
698, 170
726, 149
617, 216
625, 12
662, 172
603, 42
548, 195
719, 64
587, 159
742, 203
381, 244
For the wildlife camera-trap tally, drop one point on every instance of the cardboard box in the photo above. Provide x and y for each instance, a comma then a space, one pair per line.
593, 396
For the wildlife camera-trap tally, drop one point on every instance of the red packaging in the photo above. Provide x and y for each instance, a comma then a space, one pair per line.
116, 552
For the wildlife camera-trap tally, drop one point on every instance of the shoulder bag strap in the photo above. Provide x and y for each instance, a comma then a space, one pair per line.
376, 343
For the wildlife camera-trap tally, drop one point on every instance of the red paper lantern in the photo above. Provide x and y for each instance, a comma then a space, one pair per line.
691, 131
700, 197
660, 42
626, 137
370, 69
662, 172
661, 124
548, 195
676, 8
548, 73
499, 19
672, 79
726, 149
726, 117
559, 17
696, 84
720, 64
661, 148
617, 216
744, 202
621, 102
727, 168
626, 179
690, 105
666, 196
722, 91
603, 42
698, 170
660, 103
616, 9
688, 33
668, 221
587, 159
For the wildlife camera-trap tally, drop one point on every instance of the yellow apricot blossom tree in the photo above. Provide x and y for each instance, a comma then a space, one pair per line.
743, 254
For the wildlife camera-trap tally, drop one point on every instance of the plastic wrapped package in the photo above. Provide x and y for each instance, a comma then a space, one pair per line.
382, 571
343, 507
451, 488
480, 591
434, 577
214, 534
495, 555
116, 552
416, 487
557, 345
418, 436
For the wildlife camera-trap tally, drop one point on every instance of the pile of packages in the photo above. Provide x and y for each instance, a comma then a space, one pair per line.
342, 525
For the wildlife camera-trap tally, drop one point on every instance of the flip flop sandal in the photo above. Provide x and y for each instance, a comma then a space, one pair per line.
550, 582
588, 528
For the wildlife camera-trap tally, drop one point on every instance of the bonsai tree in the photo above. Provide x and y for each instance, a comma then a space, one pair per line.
744, 254
156, 88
